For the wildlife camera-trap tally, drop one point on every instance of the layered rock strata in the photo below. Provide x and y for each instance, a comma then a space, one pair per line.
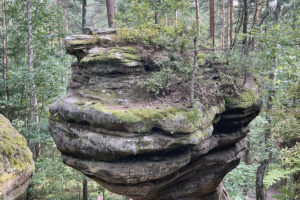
109, 128
16, 163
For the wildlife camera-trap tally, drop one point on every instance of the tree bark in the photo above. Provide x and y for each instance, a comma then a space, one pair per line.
83, 24
110, 4
228, 25
4, 59
223, 24
59, 30
212, 21
192, 87
67, 21
260, 173
255, 20
260, 190
247, 152
157, 12
245, 24
176, 12
197, 17
85, 189
231, 22
30, 65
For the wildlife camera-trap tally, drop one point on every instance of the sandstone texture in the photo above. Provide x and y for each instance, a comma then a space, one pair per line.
109, 128
16, 163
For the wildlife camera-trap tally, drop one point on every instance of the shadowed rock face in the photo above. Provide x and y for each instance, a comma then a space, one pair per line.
16, 163
110, 129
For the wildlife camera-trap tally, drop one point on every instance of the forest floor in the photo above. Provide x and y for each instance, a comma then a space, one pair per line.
271, 192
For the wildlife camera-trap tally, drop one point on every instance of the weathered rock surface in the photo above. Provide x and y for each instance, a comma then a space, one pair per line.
16, 163
110, 129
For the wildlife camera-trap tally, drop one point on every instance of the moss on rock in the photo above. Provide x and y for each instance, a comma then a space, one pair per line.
13, 146
140, 114
121, 55
245, 100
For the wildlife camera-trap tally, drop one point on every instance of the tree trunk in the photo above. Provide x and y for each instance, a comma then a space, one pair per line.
212, 21
110, 4
255, 20
176, 12
223, 24
247, 152
194, 71
83, 25
197, 17
245, 24
30, 65
4, 59
260, 173
228, 25
231, 22
260, 190
85, 189
59, 30
157, 12
67, 21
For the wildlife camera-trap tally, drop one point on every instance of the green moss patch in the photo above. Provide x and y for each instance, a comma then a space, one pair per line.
140, 114
13, 146
245, 100
121, 55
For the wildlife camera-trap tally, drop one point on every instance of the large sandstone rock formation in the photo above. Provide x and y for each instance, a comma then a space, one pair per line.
148, 148
16, 163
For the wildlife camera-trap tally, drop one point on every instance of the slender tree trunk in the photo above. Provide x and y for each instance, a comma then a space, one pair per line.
255, 20
4, 58
31, 82
176, 12
245, 24
85, 189
260, 190
83, 25
223, 24
157, 12
212, 21
195, 66
59, 30
156, 17
228, 25
67, 21
247, 151
30, 64
231, 22
110, 4
197, 17
260, 173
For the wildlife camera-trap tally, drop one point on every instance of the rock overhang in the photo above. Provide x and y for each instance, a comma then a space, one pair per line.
110, 129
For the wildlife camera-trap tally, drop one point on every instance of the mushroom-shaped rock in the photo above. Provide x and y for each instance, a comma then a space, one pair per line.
109, 128
16, 163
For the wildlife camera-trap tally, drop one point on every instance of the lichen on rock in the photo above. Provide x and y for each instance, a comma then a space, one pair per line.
108, 127
16, 163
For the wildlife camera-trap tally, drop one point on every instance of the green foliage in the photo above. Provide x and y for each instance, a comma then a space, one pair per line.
54, 180
240, 180
159, 81
276, 174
